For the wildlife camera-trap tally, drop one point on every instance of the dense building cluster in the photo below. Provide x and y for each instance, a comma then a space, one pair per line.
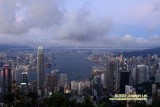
115, 74
125, 75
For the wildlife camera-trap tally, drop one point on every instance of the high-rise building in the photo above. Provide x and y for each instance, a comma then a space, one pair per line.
34, 85
129, 89
158, 93
24, 77
40, 69
74, 85
124, 77
7, 78
133, 77
154, 92
117, 77
80, 88
110, 76
157, 78
14, 75
1, 64
51, 81
97, 86
24, 82
63, 80
124, 80
142, 73
103, 80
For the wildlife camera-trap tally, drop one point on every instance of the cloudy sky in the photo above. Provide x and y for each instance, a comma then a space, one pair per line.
80, 22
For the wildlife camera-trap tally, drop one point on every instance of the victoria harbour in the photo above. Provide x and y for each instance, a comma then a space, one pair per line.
77, 67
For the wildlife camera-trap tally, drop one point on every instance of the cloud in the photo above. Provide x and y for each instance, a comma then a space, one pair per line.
18, 17
127, 39
43, 14
83, 28
145, 14
49, 22
42, 20
7, 16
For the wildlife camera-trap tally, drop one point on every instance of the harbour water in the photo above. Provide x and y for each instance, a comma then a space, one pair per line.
75, 66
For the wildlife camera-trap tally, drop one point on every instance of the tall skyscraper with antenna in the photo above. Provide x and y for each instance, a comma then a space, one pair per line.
40, 69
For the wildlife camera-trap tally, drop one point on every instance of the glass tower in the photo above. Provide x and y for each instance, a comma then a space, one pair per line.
40, 68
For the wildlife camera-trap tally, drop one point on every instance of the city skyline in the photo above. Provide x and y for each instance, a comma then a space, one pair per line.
75, 74
85, 22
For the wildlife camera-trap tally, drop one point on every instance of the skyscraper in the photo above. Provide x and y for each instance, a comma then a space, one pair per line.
80, 88
124, 77
40, 69
124, 80
24, 82
51, 81
117, 77
97, 85
74, 85
110, 76
7, 78
157, 78
142, 73
24, 77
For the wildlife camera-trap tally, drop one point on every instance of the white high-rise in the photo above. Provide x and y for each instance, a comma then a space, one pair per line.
80, 88
40, 68
142, 73
74, 85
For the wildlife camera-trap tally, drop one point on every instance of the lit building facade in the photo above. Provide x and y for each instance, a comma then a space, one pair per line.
7, 78
24, 82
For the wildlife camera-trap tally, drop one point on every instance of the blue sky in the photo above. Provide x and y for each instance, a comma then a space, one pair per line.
80, 22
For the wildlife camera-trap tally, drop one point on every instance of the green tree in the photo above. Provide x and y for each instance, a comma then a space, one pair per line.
32, 99
72, 103
103, 104
19, 100
87, 102
55, 100
9, 99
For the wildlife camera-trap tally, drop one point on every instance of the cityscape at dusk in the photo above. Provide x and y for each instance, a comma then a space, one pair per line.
79, 53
